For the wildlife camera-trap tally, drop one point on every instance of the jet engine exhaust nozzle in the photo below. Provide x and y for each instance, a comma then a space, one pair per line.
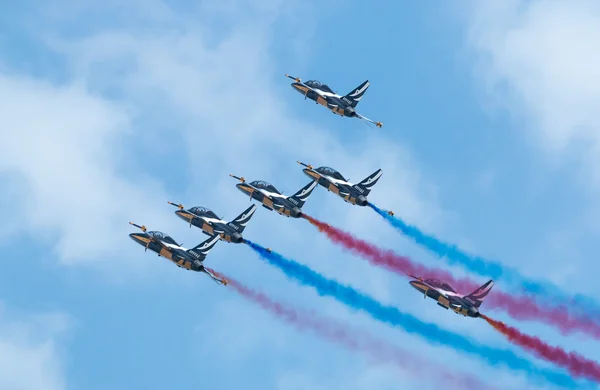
362, 200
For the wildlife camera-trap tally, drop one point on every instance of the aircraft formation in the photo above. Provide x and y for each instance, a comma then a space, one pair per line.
272, 199
268, 196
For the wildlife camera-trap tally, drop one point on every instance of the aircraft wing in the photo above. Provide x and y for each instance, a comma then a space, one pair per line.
161, 243
276, 201
444, 295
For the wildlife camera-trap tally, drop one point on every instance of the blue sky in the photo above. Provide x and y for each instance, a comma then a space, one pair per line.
490, 140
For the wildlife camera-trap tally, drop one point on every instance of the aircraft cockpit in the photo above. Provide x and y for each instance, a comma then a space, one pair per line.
162, 237
318, 85
265, 186
331, 172
203, 211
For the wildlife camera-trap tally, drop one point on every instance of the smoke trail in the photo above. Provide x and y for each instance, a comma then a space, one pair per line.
353, 339
484, 267
518, 307
391, 315
577, 365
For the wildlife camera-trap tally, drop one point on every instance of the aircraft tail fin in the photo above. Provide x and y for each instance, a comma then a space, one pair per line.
300, 197
477, 296
365, 186
200, 251
357, 94
239, 223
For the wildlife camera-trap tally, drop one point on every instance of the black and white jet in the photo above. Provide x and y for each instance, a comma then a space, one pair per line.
340, 105
210, 224
167, 247
448, 298
272, 199
333, 181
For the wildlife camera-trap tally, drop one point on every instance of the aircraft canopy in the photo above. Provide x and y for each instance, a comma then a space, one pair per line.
331, 172
265, 186
163, 237
442, 285
317, 84
203, 211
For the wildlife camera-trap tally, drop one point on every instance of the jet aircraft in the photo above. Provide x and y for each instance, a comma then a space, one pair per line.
448, 298
340, 105
211, 224
272, 199
333, 181
167, 247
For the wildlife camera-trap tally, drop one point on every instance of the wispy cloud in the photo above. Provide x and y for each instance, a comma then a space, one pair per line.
191, 109
540, 60
64, 150
31, 353
161, 103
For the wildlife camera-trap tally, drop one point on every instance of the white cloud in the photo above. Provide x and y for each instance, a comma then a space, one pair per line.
202, 107
540, 60
61, 144
197, 107
30, 350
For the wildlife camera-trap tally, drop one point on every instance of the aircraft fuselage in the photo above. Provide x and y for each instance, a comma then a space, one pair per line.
447, 300
271, 201
171, 252
210, 226
332, 101
342, 189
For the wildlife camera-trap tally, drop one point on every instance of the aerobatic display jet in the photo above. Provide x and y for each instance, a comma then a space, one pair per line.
333, 181
272, 199
340, 105
165, 246
211, 224
448, 298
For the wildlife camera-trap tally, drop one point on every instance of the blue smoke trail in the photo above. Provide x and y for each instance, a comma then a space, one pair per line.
551, 294
390, 315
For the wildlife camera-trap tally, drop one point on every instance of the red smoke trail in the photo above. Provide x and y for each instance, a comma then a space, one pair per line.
352, 339
577, 365
518, 307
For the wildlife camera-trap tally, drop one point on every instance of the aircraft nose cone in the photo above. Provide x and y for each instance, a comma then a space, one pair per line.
237, 238
416, 285
135, 237
308, 173
362, 200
